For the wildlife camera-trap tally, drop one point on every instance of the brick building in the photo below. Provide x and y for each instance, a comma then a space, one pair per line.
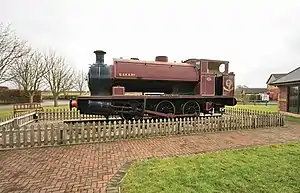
273, 90
289, 94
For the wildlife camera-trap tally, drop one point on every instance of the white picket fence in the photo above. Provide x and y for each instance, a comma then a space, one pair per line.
45, 134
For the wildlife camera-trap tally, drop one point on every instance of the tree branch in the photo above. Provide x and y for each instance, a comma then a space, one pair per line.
11, 49
28, 73
59, 75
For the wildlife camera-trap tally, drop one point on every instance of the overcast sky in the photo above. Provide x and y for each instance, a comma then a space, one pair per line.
257, 37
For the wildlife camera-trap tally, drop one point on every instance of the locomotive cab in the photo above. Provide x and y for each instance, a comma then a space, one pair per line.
214, 78
220, 70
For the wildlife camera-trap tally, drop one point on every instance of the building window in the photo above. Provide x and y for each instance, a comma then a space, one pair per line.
294, 99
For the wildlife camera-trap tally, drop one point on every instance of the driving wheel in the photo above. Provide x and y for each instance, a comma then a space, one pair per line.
191, 107
166, 107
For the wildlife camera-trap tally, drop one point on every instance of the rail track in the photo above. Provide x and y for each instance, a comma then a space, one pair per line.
102, 120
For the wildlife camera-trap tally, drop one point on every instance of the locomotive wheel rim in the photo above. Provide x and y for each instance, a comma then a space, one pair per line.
127, 116
168, 102
195, 106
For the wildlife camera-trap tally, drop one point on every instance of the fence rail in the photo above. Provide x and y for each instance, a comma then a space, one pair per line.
66, 114
246, 112
42, 134
23, 118
20, 120
12, 116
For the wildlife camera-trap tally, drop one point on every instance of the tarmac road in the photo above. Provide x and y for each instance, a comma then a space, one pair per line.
45, 103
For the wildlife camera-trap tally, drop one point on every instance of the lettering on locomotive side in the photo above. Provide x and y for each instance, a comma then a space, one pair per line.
126, 74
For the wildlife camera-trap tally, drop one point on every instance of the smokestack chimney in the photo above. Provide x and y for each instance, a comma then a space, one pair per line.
99, 56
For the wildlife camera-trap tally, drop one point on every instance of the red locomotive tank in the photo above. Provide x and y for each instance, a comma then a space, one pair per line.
154, 70
155, 76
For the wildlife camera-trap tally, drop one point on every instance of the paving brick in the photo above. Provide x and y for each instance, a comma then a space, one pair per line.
89, 167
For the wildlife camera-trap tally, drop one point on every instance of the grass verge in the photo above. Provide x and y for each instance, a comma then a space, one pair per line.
269, 108
263, 169
9, 112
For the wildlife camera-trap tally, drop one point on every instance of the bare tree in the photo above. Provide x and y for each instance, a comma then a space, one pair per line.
240, 93
59, 76
11, 48
80, 82
28, 73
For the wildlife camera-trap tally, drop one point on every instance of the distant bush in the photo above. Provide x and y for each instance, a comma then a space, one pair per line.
61, 97
11, 96
255, 97
47, 95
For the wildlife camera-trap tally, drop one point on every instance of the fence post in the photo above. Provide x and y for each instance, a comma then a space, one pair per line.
36, 116
15, 123
59, 133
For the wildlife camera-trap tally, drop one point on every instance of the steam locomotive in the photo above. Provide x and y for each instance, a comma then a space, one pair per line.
166, 89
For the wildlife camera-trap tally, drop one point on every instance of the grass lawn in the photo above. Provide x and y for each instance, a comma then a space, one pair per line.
263, 169
269, 108
9, 112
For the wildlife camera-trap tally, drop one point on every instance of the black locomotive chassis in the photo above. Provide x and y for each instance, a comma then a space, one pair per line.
129, 107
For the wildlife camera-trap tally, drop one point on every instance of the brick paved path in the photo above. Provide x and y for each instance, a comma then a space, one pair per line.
87, 168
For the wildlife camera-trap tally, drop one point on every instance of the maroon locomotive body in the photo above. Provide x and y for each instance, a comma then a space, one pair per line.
188, 88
